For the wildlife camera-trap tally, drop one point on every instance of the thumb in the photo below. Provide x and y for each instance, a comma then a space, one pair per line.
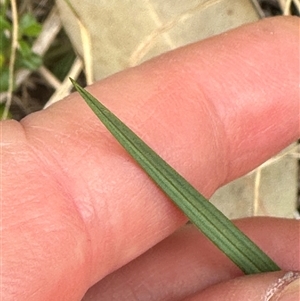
277, 286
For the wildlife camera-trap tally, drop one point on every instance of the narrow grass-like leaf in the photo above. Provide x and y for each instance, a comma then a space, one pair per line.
213, 223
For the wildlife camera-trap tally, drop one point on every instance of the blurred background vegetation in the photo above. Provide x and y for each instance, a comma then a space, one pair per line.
33, 88
40, 61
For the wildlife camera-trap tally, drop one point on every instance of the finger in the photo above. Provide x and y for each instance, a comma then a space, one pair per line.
75, 183
186, 263
276, 286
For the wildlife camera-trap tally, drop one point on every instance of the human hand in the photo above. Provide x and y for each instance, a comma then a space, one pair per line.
77, 210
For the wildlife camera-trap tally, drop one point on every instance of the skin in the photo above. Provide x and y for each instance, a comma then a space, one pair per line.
78, 211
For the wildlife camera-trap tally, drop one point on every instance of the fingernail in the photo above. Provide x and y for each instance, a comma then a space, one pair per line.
286, 288
291, 292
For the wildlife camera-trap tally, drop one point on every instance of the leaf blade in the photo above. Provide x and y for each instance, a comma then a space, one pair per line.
207, 218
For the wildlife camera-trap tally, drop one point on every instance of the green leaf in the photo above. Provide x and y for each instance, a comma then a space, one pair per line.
2, 61
4, 24
24, 48
4, 79
29, 26
214, 224
32, 61
5, 43
3, 7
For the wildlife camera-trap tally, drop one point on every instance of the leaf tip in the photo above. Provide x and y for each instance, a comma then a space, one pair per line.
72, 81
75, 84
